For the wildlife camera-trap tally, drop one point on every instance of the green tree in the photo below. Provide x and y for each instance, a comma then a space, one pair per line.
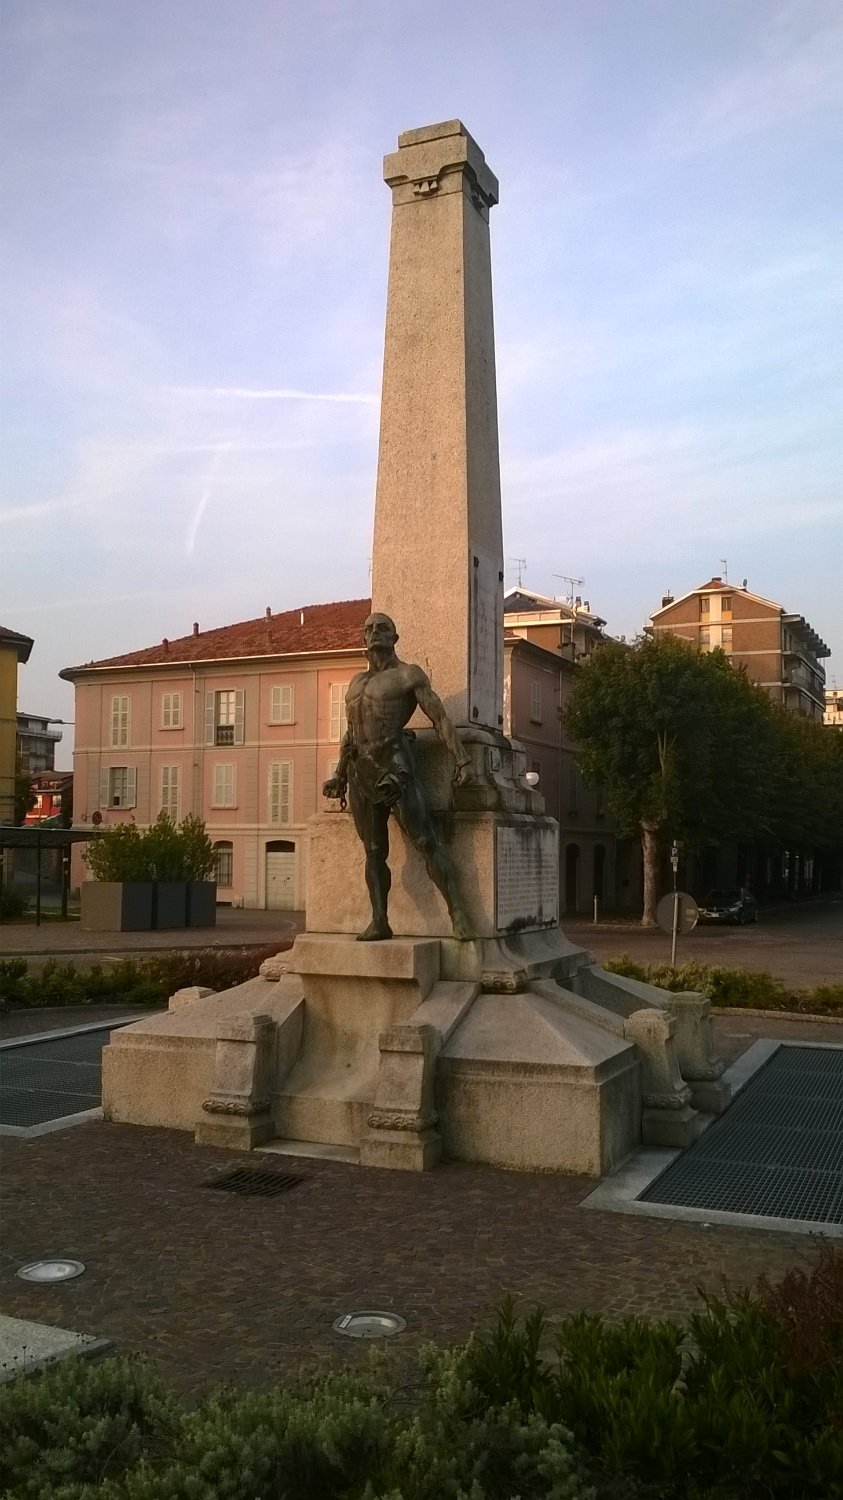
683, 745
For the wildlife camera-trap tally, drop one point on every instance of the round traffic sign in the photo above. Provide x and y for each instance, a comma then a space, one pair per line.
687, 915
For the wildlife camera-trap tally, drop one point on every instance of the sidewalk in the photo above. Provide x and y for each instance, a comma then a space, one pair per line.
66, 940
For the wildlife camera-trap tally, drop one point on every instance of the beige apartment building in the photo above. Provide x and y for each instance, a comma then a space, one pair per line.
242, 725
780, 651
833, 715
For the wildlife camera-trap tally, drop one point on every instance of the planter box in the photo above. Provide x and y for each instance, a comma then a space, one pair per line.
201, 903
116, 906
169, 907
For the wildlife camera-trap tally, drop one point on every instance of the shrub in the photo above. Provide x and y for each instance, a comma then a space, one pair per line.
13, 904
743, 1403
146, 981
743, 988
78, 1423
164, 851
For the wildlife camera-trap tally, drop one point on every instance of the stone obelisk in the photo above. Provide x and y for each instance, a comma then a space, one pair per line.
438, 555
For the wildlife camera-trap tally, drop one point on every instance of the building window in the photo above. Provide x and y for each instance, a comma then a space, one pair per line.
536, 702
726, 637
224, 717
725, 606
118, 786
120, 719
171, 711
705, 607
281, 792
705, 638
224, 784
170, 791
224, 863
281, 704
336, 726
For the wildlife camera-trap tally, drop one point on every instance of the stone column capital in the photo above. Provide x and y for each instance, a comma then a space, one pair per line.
440, 159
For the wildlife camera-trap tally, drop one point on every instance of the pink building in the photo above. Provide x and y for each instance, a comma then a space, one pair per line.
242, 725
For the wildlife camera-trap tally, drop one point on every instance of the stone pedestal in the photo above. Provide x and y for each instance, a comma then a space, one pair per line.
237, 1112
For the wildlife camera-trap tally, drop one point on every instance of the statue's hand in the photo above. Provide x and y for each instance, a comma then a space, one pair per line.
463, 773
334, 788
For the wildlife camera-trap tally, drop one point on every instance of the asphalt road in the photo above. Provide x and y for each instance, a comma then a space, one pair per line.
801, 945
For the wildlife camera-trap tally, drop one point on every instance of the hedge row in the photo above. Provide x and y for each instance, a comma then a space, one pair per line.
131, 981
742, 988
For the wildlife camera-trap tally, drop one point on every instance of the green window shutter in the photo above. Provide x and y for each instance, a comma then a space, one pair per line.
239, 716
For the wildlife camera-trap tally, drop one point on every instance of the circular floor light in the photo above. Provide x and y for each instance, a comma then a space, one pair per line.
48, 1271
369, 1325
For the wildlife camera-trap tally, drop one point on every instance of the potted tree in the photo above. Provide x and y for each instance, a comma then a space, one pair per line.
119, 898
158, 878
199, 865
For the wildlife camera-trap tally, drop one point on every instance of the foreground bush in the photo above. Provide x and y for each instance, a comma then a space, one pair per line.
110, 1432
744, 988
743, 1402
146, 981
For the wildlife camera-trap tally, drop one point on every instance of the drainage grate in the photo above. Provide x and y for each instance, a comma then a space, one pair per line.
255, 1182
43, 1081
778, 1150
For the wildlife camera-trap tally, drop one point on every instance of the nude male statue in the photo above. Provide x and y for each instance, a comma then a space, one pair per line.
377, 767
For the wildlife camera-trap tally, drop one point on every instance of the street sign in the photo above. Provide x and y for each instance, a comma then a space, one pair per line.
687, 912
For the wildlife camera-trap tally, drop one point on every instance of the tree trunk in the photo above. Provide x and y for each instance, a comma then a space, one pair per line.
650, 852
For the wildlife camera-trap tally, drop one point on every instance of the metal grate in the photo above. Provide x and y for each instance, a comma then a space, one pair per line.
777, 1152
255, 1182
43, 1081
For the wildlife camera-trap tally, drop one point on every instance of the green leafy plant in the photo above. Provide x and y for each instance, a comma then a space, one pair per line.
131, 981
744, 988
164, 851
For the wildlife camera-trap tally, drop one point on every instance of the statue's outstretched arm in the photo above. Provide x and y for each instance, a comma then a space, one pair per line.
431, 704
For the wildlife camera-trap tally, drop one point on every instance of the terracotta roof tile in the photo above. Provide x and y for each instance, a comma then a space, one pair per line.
316, 627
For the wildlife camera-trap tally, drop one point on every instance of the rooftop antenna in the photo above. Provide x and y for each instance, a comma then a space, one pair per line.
521, 563
572, 582
724, 570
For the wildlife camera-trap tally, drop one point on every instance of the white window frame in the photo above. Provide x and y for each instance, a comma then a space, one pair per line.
535, 702
120, 720
118, 786
280, 793
336, 712
282, 703
224, 793
225, 716
171, 711
169, 799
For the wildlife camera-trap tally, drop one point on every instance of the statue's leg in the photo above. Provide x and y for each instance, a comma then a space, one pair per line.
414, 816
372, 824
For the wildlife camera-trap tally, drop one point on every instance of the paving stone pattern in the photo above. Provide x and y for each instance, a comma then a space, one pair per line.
211, 1286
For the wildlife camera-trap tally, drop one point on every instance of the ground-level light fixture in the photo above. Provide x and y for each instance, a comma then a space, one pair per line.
369, 1325
49, 1271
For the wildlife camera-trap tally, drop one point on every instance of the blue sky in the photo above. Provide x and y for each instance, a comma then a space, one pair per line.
194, 283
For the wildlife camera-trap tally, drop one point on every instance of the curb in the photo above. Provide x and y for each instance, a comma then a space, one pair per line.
775, 1015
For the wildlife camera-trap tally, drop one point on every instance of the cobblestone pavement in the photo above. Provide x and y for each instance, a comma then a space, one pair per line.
211, 1286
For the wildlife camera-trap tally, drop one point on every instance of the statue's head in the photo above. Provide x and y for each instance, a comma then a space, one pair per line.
379, 633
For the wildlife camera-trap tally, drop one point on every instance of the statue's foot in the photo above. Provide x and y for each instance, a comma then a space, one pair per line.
376, 932
461, 927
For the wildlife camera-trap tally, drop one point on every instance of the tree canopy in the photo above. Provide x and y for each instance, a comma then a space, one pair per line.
687, 747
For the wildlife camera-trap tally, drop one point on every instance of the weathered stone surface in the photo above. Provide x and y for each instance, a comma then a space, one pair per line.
438, 556
188, 995
487, 849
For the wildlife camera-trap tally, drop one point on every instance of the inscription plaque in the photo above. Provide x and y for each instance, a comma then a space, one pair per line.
526, 877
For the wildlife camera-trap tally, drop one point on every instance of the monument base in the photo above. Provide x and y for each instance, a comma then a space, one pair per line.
416, 1049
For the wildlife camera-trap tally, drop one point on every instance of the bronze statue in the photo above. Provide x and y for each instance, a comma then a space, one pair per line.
377, 768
